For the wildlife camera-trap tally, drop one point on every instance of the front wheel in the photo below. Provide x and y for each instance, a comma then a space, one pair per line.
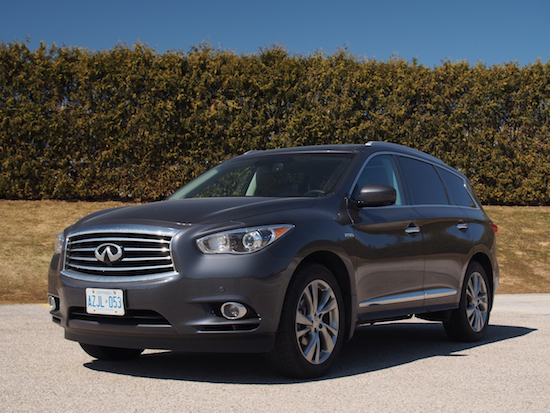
469, 322
110, 353
311, 330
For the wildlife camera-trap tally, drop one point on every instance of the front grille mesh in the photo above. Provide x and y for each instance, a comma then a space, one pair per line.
143, 254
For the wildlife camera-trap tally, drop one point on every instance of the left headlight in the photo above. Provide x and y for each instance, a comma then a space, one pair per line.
241, 241
59, 241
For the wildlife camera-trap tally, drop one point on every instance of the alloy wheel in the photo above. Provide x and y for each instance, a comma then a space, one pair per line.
317, 322
477, 306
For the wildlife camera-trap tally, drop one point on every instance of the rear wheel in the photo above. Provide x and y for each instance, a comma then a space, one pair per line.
110, 353
311, 329
469, 322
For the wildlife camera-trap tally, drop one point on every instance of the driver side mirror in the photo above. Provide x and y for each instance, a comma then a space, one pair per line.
375, 195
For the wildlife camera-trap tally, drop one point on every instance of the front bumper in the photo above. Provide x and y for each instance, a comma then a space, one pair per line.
182, 310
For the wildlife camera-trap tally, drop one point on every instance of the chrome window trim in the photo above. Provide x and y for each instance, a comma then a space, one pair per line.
434, 164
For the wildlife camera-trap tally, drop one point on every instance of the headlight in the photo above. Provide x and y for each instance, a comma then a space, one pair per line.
59, 241
241, 241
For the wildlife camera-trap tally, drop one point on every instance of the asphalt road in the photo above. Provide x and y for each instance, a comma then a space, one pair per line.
400, 367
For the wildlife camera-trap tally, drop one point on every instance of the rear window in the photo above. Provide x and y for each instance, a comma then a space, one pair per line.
423, 182
457, 189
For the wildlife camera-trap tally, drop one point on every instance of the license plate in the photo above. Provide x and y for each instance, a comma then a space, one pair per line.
105, 302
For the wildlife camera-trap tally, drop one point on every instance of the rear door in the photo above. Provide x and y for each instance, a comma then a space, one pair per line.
444, 227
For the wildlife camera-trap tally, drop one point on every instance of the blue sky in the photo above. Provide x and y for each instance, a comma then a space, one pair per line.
431, 31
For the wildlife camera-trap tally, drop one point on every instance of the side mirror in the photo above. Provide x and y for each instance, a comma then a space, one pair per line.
375, 195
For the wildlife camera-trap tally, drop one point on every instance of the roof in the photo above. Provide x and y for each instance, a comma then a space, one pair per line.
374, 146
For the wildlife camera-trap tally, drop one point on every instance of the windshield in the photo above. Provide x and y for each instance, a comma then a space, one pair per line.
278, 175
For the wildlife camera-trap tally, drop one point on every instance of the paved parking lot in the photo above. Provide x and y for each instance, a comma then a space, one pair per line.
405, 366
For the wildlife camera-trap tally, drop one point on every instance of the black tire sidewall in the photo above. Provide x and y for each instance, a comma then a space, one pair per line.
458, 328
287, 356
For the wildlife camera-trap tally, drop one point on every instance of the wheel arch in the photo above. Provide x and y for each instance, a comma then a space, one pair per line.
338, 268
485, 262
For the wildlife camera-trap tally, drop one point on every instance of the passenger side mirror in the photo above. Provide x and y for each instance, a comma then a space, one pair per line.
375, 195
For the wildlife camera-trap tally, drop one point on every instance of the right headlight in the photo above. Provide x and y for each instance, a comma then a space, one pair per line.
241, 241
59, 242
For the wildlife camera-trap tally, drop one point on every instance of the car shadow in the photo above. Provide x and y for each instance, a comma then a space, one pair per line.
372, 348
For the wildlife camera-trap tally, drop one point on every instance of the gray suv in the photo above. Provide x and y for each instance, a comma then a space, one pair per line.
282, 252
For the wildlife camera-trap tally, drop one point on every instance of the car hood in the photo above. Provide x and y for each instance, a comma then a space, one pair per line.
193, 211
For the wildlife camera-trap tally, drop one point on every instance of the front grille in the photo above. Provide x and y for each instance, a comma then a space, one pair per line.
121, 252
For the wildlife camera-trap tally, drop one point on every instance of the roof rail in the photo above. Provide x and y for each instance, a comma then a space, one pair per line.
405, 149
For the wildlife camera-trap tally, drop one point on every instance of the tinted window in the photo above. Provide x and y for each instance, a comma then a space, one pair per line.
456, 188
380, 170
423, 182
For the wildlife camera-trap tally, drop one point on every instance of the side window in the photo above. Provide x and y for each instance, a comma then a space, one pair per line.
456, 187
381, 170
423, 182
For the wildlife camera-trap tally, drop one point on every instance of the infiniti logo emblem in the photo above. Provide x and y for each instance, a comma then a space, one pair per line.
108, 253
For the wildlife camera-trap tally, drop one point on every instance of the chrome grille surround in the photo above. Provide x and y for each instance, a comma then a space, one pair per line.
146, 253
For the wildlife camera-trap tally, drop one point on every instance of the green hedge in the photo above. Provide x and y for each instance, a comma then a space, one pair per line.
133, 124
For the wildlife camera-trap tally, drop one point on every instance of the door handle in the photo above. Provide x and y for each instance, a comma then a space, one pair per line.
412, 229
462, 226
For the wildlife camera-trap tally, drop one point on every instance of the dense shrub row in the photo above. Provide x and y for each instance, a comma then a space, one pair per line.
131, 123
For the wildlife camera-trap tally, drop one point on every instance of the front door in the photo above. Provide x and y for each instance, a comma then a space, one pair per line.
390, 257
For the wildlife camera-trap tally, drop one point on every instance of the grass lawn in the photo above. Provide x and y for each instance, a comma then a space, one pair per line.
523, 248
29, 229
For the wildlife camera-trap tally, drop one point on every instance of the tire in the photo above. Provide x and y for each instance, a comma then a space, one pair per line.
110, 353
469, 322
311, 330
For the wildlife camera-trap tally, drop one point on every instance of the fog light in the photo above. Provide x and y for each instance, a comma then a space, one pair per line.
53, 303
233, 311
